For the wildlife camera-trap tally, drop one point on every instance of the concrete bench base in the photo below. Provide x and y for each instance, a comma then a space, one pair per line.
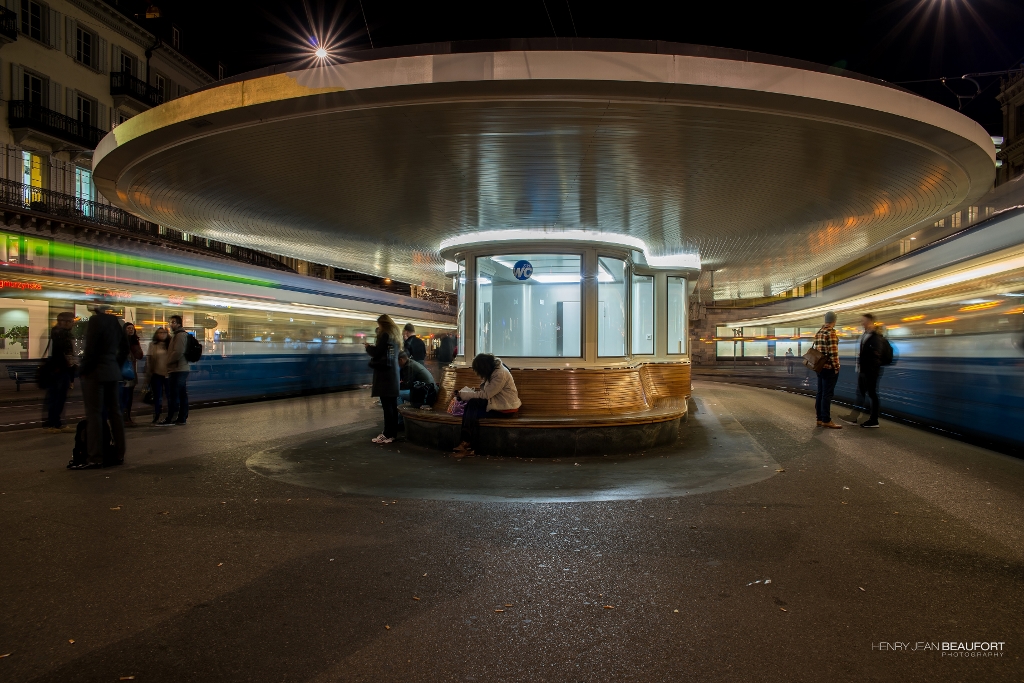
519, 438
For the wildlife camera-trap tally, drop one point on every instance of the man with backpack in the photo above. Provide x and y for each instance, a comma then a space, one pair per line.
179, 352
875, 352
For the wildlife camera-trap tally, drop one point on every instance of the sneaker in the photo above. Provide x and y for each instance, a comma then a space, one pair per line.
165, 423
831, 425
379, 438
870, 425
851, 420
178, 423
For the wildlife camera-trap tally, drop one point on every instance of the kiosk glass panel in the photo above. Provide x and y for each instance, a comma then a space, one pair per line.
613, 301
461, 284
677, 315
529, 305
643, 314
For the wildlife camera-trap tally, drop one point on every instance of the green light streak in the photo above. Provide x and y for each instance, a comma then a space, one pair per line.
76, 253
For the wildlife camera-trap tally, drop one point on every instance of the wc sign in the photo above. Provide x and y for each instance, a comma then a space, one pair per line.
522, 270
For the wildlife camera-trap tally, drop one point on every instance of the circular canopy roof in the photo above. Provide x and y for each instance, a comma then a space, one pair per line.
770, 174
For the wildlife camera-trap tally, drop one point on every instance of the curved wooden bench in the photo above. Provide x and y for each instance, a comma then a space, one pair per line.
648, 399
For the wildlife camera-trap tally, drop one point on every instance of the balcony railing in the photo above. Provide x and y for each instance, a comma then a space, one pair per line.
86, 212
8, 23
124, 84
25, 114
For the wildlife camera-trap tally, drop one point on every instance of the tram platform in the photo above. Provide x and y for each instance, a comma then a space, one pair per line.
273, 541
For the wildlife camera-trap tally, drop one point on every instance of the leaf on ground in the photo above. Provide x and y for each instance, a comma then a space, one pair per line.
499, 610
508, 604
117, 508
609, 606
6, 655
783, 609
71, 640
781, 470
862, 589
220, 564
126, 678
415, 598
165, 512
386, 627
675, 611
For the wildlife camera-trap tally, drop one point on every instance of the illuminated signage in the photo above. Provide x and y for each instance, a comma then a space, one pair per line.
10, 284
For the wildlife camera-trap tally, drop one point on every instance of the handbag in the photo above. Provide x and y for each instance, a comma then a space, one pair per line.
815, 359
127, 373
456, 406
147, 396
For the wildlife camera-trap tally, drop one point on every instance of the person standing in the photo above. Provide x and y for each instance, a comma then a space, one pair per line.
869, 367
106, 348
827, 342
62, 371
446, 350
384, 361
789, 361
177, 375
414, 346
128, 386
156, 369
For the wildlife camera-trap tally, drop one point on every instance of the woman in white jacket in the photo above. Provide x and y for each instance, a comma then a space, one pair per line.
496, 397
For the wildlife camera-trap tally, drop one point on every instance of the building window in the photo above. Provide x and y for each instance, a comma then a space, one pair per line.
33, 89
220, 72
643, 315
84, 52
32, 177
32, 21
161, 86
176, 38
529, 305
85, 110
84, 189
120, 117
127, 64
612, 304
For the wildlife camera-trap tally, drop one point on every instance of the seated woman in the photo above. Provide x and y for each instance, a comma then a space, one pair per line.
496, 397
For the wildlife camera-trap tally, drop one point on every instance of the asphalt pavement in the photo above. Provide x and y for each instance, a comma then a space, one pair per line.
272, 542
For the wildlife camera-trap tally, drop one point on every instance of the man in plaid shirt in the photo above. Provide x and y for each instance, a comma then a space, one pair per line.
827, 341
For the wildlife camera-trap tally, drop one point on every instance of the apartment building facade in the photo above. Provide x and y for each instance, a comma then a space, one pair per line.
71, 70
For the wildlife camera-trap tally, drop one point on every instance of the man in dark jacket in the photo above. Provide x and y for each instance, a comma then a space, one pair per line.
62, 371
414, 346
106, 348
411, 372
446, 350
869, 367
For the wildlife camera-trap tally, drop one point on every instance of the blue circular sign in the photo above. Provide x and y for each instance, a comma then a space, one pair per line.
522, 270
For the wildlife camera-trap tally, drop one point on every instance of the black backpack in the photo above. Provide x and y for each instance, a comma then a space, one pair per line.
80, 453
193, 349
423, 394
887, 356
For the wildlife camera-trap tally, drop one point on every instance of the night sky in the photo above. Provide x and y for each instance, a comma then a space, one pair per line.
897, 40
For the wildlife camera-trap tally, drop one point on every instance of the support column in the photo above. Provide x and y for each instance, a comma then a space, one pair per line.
590, 306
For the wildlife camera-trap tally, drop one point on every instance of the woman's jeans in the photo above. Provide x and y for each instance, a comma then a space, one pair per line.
390, 406
476, 409
158, 383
